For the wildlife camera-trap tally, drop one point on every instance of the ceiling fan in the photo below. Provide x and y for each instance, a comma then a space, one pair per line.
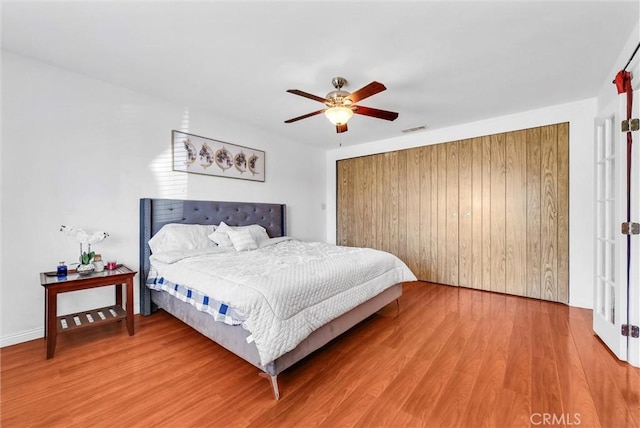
341, 105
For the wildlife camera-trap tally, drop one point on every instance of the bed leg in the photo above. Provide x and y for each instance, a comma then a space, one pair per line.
274, 384
397, 307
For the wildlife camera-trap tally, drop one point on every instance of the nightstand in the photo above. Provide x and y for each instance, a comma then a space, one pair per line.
53, 286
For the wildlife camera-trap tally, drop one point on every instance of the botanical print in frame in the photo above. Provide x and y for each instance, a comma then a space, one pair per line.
200, 155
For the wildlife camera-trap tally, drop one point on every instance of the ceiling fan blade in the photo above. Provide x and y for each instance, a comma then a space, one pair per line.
295, 119
366, 91
341, 128
377, 113
306, 95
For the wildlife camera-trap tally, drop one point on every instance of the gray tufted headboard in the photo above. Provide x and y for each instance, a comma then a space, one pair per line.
155, 213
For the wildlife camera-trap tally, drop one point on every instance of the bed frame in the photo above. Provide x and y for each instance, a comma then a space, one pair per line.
155, 213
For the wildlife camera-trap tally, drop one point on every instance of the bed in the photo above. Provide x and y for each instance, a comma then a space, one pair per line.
156, 213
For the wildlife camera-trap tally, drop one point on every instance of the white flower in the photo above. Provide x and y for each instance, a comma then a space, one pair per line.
82, 236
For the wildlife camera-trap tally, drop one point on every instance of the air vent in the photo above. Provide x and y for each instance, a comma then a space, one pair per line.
416, 129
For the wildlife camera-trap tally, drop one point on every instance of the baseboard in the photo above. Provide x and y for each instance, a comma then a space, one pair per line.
25, 336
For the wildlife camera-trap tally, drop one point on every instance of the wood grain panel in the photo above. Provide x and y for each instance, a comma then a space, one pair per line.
435, 256
476, 214
343, 202
486, 213
534, 282
427, 268
563, 213
391, 237
402, 205
368, 203
375, 200
414, 214
380, 201
340, 200
465, 210
549, 217
353, 238
516, 213
443, 215
350, 202
453, 214
358, 202
370, 189
498, 222
383, 205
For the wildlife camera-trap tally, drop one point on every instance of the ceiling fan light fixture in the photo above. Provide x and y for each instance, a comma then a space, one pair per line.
338, 115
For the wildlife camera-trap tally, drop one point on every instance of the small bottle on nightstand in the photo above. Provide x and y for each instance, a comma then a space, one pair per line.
62, 270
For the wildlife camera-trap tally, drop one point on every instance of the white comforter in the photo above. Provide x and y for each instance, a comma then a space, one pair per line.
287, 288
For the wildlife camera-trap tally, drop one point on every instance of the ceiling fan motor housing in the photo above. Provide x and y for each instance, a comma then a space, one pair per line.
338, 98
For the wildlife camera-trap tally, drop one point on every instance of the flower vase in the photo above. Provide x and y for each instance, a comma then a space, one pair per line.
86, 265
85, 269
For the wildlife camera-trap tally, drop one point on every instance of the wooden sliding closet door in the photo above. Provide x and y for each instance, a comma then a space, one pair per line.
465, 208
498, 215
427, 195
489, 213
516, 213
520, 188
534, 213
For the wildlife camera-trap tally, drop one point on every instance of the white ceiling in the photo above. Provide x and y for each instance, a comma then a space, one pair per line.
443, 62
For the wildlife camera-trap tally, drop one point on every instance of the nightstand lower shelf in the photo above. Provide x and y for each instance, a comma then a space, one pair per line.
90, 318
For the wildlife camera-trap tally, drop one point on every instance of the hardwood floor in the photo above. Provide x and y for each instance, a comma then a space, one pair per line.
452, 357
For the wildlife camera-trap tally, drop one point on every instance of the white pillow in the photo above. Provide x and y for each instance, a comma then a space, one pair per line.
179, 236
242, 240
221, 236
259, 233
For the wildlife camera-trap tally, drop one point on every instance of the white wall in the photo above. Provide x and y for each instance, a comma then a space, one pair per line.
77, 151
580, 116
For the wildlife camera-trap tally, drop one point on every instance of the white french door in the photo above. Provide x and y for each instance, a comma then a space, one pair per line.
613, 305
610, 298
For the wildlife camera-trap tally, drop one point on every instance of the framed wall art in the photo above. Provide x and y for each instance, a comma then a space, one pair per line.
200, 155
